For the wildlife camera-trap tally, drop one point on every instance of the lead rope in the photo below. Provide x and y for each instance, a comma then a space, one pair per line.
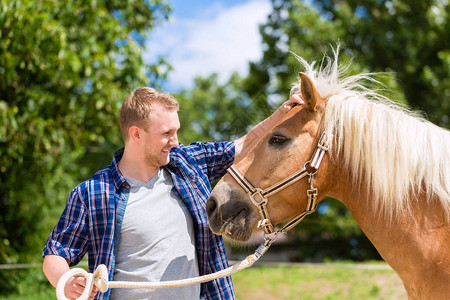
100, 276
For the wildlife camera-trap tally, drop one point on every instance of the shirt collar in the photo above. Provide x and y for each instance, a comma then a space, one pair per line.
117, 176
174, 152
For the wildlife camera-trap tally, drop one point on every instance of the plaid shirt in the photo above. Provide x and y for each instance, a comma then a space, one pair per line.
91, 220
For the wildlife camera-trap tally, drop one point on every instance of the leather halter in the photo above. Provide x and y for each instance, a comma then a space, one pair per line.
259, 197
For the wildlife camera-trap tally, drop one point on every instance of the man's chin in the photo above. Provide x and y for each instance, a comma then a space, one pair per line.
165, 159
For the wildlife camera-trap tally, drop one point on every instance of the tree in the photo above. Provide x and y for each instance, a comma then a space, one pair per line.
226, 112
407, 39
65, 67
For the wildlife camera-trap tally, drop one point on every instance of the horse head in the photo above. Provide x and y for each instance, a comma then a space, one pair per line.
284, 150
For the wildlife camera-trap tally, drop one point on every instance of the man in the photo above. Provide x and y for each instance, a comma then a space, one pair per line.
143, 216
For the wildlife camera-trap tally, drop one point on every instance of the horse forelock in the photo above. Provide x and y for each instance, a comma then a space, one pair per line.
393, 152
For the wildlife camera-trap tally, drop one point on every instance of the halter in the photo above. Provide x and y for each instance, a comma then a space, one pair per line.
259, 197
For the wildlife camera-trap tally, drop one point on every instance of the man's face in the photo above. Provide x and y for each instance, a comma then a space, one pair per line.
161, 136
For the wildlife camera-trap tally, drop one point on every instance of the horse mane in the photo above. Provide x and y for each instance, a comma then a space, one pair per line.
398, 154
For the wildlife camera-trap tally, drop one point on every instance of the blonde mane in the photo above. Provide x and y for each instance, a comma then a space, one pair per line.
398, 154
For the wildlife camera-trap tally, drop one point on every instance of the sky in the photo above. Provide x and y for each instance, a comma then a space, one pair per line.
208, 36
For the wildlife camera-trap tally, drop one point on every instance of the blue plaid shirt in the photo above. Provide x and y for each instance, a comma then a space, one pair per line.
91, 220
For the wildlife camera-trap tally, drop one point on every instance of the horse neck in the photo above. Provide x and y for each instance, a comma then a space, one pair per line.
414, 243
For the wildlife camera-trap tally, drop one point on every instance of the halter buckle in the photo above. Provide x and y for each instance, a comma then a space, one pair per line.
312, 192
312, 199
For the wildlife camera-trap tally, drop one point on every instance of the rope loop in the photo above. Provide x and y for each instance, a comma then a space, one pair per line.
69, 275
101, 278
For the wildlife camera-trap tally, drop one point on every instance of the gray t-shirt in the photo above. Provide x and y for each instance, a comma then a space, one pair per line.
157, 241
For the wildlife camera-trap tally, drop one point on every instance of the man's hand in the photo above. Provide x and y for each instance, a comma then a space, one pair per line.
245, 143
54, 267
75, 287
296, 99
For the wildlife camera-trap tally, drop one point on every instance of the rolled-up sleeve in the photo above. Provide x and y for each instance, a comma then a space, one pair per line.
69, 237
213, 158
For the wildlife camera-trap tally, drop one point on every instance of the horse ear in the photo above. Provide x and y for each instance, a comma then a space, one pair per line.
309, 92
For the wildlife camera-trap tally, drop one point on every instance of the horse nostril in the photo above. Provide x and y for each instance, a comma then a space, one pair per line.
211, 206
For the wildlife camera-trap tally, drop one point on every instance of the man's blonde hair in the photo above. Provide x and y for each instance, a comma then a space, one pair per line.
136, 108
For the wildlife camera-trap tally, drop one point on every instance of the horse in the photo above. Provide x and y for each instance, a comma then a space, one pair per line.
389, 166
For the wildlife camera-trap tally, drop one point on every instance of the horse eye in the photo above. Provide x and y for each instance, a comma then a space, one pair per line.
278, 140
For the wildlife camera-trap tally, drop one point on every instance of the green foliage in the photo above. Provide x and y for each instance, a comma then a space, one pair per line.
30, 284
65, 67
211, 111
407, 37
404, 38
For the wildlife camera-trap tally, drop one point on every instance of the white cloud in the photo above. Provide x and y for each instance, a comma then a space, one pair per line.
222, 41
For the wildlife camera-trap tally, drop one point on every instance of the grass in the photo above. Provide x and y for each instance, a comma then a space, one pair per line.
314, 283
280, 283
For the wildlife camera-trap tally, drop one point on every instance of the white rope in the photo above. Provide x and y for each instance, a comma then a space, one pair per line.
100, 277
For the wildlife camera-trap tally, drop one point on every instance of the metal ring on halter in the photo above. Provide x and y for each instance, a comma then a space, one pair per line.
310, 173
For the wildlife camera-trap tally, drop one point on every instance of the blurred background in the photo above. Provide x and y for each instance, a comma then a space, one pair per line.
66, 66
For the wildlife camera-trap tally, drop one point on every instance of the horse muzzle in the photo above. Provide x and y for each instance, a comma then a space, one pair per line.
229, 214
